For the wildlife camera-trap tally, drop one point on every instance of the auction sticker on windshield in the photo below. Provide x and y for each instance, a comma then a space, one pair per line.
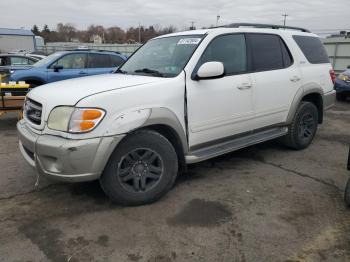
189, 41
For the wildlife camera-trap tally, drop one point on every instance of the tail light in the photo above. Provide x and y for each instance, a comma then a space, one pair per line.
332, 75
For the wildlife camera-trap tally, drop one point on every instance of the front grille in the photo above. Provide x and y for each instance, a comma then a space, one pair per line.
32, 111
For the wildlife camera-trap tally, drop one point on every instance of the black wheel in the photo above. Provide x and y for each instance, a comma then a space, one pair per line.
303, 128
347, 194
142, 169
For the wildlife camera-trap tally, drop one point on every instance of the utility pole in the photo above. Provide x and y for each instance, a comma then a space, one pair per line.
140, 32
285, 19
192, 25
217, 20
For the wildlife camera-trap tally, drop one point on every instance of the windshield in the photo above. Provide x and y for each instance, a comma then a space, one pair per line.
47, 60
162, 57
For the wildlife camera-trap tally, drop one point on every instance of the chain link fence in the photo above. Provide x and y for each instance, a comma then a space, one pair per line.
125, 49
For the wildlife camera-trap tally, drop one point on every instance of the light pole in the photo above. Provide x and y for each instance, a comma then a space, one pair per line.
139, 32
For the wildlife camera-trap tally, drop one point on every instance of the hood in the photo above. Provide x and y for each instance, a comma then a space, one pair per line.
69, 92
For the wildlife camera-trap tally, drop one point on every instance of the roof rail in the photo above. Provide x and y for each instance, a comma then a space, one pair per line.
236, 25
95, 50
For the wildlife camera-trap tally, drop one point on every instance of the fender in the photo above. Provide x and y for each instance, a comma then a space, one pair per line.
132, 120
301, 93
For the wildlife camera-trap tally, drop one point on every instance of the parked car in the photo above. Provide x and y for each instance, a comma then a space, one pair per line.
342, 84
17, 61
69, 64
181, 98
11, 62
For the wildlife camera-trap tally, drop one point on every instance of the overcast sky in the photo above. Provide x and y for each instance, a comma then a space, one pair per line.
313, 14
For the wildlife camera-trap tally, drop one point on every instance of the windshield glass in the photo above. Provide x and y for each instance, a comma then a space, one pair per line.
162, 57
47, 60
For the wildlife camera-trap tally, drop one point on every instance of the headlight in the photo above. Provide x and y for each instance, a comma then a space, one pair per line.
344, 77
74, 120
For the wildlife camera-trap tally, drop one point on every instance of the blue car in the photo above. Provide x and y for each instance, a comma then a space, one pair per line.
69, 64
342, 85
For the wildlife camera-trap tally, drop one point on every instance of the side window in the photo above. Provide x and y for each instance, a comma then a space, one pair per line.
228, 49
99, 61
287, 56
312, 48
16, 60
31, 62
266, 52
72, 61
2, 61
116, 60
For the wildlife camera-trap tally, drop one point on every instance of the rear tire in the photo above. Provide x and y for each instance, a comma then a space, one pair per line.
303, 127
141, 169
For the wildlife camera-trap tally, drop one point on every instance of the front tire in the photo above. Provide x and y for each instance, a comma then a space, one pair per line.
303, 128
141, 170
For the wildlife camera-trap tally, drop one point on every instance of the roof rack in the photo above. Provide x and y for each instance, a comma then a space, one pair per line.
236, 25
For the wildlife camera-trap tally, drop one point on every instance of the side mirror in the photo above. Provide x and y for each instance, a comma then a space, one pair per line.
57, 68
348, 67
210, 70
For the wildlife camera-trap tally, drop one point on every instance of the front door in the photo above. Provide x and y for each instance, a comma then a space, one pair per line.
74, 65
220, 108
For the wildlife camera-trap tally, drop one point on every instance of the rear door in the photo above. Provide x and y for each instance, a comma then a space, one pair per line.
99, 64
74, 65
276, 78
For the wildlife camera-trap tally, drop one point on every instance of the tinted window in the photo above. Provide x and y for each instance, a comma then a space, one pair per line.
266, 52
116, 60
312, 48
287, 57
72, 61
228, 49
99, 61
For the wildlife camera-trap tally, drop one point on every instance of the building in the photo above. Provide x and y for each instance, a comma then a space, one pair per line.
338, 49
16, 39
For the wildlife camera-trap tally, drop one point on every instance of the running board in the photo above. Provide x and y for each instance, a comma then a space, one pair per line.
233, 145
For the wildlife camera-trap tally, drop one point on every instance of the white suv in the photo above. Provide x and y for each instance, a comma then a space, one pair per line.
180, 99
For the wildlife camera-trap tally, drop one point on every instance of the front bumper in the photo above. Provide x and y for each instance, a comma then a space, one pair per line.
342, 86
65, 159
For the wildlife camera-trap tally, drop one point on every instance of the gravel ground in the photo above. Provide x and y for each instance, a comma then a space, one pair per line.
262, 203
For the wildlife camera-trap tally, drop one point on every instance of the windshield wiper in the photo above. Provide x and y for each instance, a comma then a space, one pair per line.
149, 71
120, 71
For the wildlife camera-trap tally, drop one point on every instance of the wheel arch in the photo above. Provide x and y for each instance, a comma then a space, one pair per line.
33, 80
312, 94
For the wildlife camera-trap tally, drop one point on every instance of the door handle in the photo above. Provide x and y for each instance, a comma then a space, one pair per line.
295, 78
82, 73
244, 86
